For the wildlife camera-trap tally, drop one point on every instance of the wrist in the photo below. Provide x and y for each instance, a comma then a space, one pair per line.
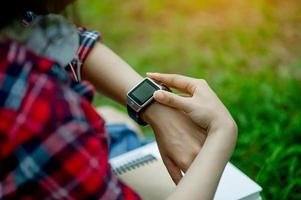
151, 114
141, 105
225, 125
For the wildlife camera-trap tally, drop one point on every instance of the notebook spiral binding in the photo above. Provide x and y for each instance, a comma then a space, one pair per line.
133, 164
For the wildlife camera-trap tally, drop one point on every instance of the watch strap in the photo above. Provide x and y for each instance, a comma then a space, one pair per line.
135, 116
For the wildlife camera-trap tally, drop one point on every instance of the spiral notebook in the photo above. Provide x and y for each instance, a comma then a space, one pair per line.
143, 170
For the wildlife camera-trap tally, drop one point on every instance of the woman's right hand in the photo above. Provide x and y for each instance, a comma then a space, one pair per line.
201, 104
207, 111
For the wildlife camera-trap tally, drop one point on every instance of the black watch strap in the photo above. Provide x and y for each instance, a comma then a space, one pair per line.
135, 116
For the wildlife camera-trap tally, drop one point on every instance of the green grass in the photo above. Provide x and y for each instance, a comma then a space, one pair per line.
249, 52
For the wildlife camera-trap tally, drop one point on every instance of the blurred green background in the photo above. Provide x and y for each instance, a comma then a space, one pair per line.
248, 51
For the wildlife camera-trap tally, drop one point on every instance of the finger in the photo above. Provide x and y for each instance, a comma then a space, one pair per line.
173, 100
184, 95
173, 170
183, 83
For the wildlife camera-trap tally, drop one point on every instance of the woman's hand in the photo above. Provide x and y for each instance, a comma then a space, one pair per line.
201, 104
205, 109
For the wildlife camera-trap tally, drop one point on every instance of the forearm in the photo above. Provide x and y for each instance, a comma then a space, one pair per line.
202, 178
109, 74
113, 77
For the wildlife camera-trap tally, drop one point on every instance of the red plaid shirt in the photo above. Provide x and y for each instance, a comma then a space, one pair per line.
53, 144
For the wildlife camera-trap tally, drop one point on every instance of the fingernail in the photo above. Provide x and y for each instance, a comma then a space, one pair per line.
151, 73
159, 95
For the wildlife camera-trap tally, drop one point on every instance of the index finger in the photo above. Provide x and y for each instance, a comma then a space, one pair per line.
183, 83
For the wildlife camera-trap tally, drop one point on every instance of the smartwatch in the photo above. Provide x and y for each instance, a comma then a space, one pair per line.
140, 96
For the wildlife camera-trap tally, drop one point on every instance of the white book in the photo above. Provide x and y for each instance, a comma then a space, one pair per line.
145, 172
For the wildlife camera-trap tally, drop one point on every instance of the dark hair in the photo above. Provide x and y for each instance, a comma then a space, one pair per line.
10, 10
13, 9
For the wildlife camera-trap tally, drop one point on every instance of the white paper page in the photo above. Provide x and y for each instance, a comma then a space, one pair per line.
234, 184
137, 153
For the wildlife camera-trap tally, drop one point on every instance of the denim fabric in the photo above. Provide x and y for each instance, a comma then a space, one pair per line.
123, 139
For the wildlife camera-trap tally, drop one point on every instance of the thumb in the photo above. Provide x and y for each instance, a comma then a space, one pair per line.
172, 100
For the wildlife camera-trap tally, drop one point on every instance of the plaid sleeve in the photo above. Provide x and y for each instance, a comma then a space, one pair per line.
87, 40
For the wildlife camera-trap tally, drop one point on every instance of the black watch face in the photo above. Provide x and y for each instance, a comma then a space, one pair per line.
143, 92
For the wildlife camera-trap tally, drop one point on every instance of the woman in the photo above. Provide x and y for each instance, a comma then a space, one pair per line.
53, 143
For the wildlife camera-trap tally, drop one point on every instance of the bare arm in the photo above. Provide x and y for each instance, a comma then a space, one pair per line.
109, 73
173, 130
202, 178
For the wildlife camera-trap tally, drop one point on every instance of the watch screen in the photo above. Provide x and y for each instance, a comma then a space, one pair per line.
143, 92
